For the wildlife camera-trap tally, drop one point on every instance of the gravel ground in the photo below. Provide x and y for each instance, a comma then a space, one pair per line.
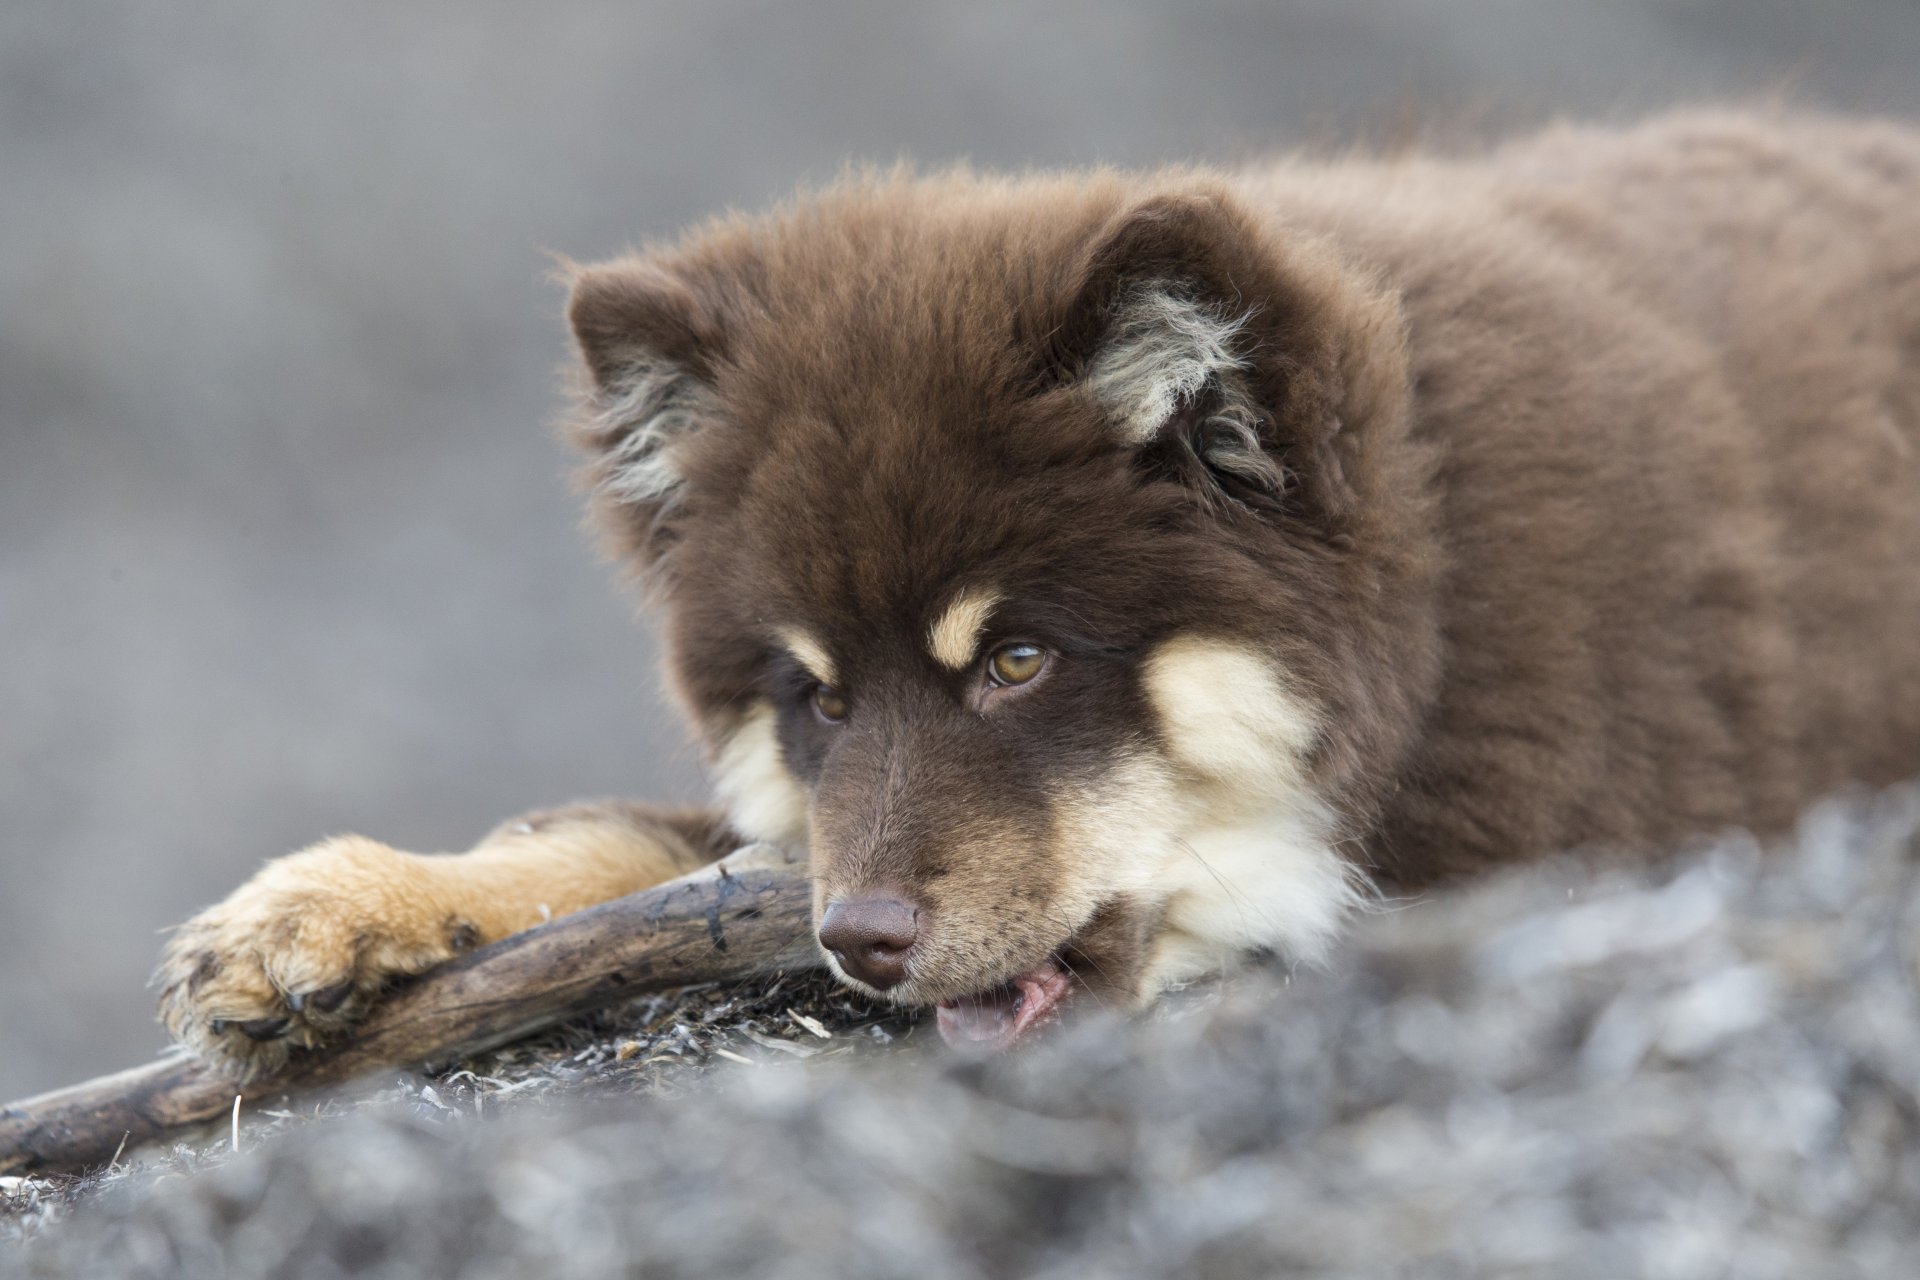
1711, 1068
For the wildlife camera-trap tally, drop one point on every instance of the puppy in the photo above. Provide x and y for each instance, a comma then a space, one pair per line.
1105, 575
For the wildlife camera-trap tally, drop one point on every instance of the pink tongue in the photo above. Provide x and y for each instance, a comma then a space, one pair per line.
992, 1020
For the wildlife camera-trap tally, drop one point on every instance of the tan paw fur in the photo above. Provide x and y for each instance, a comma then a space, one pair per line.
302, 950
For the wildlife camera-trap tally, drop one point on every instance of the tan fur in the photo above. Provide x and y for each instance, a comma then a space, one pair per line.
809, 653
955, 634
1226, 715
1251, 857
343, 918
762, 799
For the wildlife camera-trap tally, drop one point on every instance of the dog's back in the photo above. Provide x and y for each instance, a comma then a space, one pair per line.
1668, 383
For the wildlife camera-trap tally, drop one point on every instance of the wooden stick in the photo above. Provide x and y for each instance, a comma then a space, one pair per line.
748, 914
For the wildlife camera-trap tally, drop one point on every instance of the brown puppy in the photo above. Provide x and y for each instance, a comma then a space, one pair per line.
1108, 574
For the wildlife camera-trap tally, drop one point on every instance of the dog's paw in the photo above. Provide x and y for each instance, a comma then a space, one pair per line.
301, 951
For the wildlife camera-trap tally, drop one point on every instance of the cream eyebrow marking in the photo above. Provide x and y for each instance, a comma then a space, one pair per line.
811, 654
956, 632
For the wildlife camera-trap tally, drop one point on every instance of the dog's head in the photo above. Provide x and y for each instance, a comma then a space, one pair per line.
1027, 549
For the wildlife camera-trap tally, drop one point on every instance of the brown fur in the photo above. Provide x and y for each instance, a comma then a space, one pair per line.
1569, 493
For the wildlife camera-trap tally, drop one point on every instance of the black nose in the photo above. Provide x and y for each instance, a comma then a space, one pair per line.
871, 935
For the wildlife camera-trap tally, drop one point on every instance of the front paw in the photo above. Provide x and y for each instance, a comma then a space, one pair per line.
301, 951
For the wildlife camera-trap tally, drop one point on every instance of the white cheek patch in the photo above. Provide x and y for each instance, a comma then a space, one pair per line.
763, 799
1227, 717
1247, 859
1114, 835
1272, 882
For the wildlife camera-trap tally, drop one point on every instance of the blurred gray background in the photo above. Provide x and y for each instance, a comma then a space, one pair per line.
285, 546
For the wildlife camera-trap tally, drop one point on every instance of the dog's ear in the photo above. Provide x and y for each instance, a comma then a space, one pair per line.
650, 344
1184, 324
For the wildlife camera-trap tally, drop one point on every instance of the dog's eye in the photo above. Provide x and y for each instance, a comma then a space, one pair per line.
1015, 663
829, 704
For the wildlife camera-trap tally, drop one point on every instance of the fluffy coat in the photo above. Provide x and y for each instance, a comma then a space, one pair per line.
1374, 520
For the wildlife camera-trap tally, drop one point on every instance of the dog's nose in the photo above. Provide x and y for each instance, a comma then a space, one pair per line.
871, 935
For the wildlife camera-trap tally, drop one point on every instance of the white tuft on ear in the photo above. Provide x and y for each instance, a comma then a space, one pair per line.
641, 415
1163, 350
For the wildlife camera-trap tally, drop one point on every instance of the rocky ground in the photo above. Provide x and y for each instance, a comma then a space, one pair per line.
1708, 1069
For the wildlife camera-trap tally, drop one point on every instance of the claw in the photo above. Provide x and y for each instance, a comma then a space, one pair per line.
264, 1029
326, 999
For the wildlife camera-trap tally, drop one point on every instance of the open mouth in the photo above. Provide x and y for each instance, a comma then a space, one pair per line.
992, 1020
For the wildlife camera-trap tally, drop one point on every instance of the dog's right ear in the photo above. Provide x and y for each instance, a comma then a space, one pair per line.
650, 346
1212, 346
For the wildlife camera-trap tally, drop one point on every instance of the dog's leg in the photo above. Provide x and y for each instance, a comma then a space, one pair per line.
305, 947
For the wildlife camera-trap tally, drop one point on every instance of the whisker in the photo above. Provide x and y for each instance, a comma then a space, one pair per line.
1239, 899
1070, 947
